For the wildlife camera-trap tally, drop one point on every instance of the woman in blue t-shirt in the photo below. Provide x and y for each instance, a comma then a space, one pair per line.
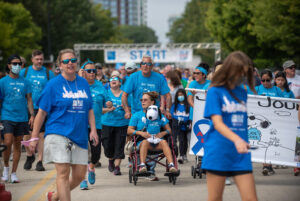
115, 125
281, 83
266, 88
226, 143
100, 99
180, 123
67, 103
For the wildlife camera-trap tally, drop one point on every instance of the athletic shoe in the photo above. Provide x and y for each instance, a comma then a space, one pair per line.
39, 166
117, 171
265, 171
5, 174
29, 161
84, 185
227, 181
152, 178
296, 171
142, 169
180, 160
49, 196
14, 178
172, 169
111, 165
91, 176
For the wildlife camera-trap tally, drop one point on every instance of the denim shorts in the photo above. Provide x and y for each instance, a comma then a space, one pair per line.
57, 149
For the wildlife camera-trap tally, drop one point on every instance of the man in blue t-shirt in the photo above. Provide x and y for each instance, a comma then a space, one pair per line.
145, 81
38, 76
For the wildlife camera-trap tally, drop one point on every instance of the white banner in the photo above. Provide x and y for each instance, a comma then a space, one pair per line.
273, 130
159, 55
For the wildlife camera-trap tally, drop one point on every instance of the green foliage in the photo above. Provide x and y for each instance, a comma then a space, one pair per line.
18, 34
138, 34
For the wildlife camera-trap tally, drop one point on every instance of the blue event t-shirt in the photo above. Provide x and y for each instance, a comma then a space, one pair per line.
38, 80
116, 117
68, 104
180, 114
14, 101
100, 97
286, 94
273, 91
220, 153
139, 121
195, 85
137, 84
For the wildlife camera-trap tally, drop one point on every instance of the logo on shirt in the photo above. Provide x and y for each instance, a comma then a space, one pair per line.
70, 94
232, 106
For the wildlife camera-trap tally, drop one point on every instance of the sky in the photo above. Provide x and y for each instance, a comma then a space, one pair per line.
158, 13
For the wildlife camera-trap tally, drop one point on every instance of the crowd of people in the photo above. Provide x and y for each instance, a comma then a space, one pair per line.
67, 116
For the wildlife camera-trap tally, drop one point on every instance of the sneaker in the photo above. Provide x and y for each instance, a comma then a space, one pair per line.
111, 165
29, 161
98, 164
180, 160
143, 169
172, 169
14, 178
117, 171
5, 174
227, 181
39, 166
152, 178
84, 185
49, 196
265, 171
296, 171
185, 159
271, 171
91, 176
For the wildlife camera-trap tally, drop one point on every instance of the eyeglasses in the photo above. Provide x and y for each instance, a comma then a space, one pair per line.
114, 79
292, 67
66, 61
148, 63
16, 63
266, 80
197, 73
90, 70
143, 100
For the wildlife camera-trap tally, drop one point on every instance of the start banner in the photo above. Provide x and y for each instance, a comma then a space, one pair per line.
273, 129
159, 55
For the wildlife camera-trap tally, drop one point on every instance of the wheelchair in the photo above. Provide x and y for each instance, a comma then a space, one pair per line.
196, 169
156, 156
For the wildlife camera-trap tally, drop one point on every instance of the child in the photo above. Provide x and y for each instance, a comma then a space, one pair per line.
180, 123
281, 82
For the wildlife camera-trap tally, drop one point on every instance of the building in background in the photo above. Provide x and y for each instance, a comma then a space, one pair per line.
129, 12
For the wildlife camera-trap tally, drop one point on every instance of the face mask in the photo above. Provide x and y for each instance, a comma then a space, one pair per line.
180, 98
15, 69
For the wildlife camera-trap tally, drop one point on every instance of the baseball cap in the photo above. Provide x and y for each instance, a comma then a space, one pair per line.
288, 63
115, 74
130, 65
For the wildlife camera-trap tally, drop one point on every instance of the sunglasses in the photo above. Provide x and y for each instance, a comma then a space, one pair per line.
197, 73
16, 63
292, 67
114, 79
143, 100
66, 61
90, 70
266, 80
148, 64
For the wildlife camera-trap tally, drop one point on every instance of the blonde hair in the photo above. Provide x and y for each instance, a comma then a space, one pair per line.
61, 52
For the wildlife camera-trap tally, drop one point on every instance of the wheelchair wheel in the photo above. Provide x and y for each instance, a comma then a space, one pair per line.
192, 170
200, 174
135, 179
195, 173
170, 179
174, 179
130, 175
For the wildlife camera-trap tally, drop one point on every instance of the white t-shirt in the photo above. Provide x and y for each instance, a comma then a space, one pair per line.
294, 84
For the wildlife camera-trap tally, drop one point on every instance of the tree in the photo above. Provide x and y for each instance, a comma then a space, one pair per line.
138, 34
18, 33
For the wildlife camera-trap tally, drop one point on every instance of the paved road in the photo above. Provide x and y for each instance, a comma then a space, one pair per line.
282, 186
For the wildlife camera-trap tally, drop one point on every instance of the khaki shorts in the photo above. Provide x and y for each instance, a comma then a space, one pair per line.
56, 151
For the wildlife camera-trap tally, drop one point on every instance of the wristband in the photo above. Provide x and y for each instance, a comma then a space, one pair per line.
134, 132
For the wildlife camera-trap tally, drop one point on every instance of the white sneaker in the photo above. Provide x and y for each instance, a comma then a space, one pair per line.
5, 174
228, 181
14, 178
